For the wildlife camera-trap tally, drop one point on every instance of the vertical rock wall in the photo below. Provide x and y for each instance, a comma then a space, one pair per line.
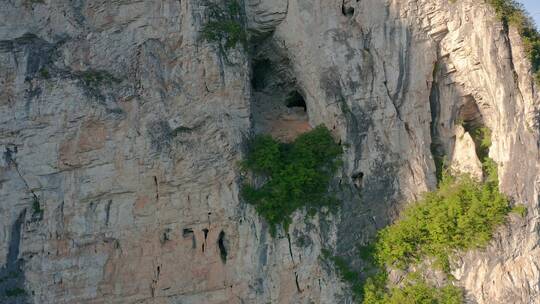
121, 131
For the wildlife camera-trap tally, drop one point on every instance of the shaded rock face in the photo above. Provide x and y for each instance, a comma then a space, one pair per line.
127, 128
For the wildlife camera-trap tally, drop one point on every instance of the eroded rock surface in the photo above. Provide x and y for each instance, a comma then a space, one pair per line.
127, 128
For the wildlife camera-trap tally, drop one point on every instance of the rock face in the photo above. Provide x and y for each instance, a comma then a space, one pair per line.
464, 158
121, 132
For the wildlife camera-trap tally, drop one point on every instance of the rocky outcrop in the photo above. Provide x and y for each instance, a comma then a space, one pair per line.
464, 158
121, 132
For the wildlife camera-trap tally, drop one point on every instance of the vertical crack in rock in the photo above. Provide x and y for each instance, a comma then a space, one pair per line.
508, 44
437, 147
205, 231
155, 280
156, 184
36, 203
296, 281
290, 247
12, 277
108, 212
222, 247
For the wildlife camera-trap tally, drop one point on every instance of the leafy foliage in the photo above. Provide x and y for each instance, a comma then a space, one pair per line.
460, 215
44, 73
225, 25
482, 141
520, 209
297, 174
512, 13
95, 78
36, 206
413, 291
15, 292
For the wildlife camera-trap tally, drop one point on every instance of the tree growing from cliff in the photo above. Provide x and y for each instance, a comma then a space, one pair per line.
225, 25
461, 214
297, 175
512, 13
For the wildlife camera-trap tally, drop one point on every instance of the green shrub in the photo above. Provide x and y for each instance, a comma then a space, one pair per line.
375, 289
482, 141
412, 290
15, 292
460, 215
44, 73
225, 25
95, 78
421, 293
36, 206
297, 174
512, 13
521, 210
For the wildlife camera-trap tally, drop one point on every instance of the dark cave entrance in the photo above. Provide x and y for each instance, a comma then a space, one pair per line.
470, 117
260, 72
295, 99
278, 103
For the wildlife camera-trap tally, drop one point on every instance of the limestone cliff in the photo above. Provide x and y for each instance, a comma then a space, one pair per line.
121, 130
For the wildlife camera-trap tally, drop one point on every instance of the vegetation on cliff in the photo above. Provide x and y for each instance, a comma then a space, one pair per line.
512, 13
461, 214
412, 290
297, 175
225, 25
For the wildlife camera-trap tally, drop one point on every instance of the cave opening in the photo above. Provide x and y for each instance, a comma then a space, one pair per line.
222, 248
187, 232
278, 103
296, 100
470, 117
205, 231
347, 9
358, 179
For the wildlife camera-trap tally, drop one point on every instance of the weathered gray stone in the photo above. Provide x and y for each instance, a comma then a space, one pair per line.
137, 173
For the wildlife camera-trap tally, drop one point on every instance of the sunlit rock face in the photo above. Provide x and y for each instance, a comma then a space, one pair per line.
122, 129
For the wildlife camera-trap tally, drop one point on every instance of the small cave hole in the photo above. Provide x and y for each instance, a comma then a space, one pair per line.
222, 247
358, 178
187, 232
295, 99
472, 121
165, 236
205, 231
347, 9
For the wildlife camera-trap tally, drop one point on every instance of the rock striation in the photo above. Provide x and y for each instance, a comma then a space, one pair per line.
121, 130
